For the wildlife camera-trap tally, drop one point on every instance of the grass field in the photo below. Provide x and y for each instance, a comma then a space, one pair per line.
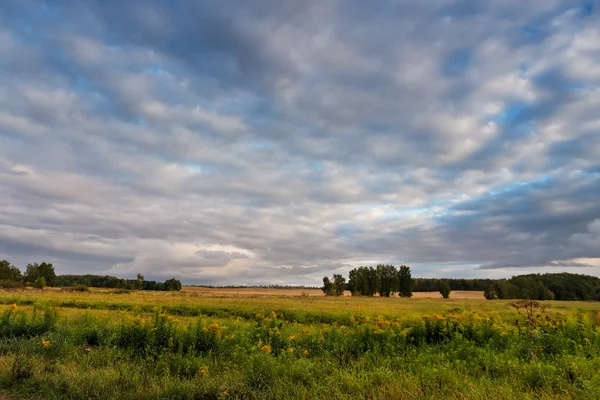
292, 343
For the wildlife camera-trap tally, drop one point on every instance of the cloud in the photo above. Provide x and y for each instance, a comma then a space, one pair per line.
270, 142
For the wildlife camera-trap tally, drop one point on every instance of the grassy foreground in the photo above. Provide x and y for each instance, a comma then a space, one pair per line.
113, 345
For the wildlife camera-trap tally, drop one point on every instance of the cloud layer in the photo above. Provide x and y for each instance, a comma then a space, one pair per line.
267, 142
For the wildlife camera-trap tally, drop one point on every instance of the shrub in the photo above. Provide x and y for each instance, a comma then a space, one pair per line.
6, 284
40, 283
18, 323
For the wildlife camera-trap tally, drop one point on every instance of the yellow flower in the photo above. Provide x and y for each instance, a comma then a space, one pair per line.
226, 394
214, 326
204, 370
305, 352
266, 348
205, 329
45, 343
290, 350
291, 337
322, 339
14, 306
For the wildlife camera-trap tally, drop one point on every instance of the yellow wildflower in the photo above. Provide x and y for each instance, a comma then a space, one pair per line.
290, 350
291, 337
214, 326
266, 348
305, 352
45, 343
225, 394
204, 370
14, 306
322, 339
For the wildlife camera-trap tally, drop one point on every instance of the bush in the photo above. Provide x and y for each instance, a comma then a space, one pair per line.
40, 283
10, 284
18, 323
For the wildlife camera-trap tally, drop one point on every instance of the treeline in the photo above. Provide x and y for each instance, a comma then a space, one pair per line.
111, 282
385, 280
561, 286
433, 284
42, 275
36, 275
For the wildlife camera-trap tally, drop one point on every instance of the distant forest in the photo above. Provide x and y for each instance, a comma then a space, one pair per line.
42, 275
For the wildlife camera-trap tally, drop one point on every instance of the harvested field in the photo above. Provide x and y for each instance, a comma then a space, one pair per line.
293, 292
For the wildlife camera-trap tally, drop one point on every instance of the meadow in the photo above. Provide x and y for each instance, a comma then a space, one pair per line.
282, 344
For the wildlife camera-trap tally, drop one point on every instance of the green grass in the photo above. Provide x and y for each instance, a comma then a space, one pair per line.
148, 346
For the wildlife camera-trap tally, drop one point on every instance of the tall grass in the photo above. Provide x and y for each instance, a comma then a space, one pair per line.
141, 355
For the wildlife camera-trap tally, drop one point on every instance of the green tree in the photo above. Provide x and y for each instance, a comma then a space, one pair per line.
32, 272
405, 281
44, 270
327, 287
172, 285
445, 289
339, 284
47, 272
9, 272
372, 281
388, 280
140, 282
490, 292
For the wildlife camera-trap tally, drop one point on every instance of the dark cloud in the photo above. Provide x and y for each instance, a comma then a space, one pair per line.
256, 142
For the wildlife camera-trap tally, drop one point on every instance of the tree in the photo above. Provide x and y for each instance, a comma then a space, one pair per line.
445, 289
339, 284
9, 272
140, 281
171, 285
32, 272
327, 287
490, 292
405, 282
44, 270
372, 281
388, 280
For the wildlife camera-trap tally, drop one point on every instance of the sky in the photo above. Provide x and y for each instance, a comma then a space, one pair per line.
268, 142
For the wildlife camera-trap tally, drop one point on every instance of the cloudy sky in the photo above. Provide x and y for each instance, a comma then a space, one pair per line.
251, 142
